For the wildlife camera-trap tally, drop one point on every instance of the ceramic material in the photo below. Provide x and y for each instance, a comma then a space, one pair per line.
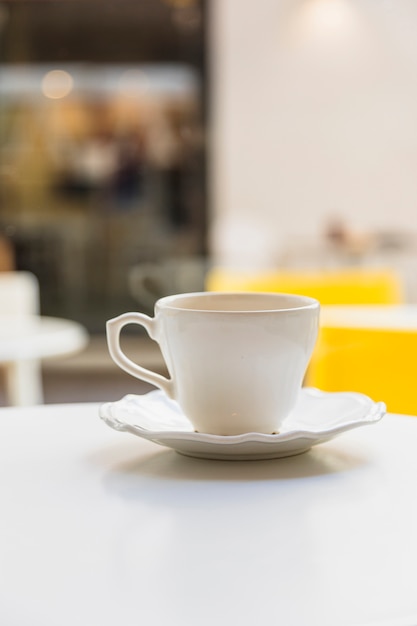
236, 360
317, 417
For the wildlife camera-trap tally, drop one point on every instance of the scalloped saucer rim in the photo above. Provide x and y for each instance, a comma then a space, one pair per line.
155, 417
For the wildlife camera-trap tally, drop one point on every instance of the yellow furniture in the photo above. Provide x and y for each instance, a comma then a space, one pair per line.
370, 349
346, 286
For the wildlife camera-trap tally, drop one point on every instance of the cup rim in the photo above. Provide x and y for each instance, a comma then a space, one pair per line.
300, 302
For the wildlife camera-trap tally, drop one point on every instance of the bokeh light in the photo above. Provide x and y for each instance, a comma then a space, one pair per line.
57, 84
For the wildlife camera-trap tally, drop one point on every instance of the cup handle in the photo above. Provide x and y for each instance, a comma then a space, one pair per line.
114, 327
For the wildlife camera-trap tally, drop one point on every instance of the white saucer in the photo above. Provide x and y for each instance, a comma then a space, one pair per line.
317, 417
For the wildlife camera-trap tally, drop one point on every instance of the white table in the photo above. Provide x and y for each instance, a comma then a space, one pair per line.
370, 316
100, 528
24, 341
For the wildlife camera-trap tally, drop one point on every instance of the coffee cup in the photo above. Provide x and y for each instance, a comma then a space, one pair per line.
236, 360
150, 281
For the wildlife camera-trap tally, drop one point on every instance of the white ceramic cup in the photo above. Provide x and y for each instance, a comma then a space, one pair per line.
236, 360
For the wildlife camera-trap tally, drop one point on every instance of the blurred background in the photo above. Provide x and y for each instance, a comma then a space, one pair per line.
145, 142
102, 158
315, 133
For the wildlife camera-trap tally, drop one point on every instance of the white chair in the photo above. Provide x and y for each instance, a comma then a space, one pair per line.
26, 337
19, 294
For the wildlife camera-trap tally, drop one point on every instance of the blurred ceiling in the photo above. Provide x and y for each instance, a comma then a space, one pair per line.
102, 31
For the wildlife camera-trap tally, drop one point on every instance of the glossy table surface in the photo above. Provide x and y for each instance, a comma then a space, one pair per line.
99, 528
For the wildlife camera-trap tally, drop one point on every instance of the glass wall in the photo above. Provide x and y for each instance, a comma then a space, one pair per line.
102, 151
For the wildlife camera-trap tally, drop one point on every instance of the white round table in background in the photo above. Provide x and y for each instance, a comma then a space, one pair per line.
370, 316
104, 528
24, 341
